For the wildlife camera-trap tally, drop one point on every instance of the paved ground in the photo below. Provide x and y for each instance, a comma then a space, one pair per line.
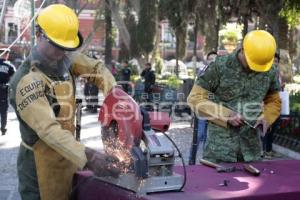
9, 145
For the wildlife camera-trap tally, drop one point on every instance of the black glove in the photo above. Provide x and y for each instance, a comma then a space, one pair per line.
101, 164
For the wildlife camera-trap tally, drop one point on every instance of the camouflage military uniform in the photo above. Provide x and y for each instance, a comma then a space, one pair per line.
229, 84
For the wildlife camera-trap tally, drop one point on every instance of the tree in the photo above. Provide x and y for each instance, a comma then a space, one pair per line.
146, 27
176, 11
209, 22
291, 13
109, 40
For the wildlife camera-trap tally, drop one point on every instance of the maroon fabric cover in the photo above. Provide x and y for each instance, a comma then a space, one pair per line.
279, 179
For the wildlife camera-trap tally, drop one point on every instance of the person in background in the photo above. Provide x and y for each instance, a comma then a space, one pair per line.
125, 76
114, 70
91, 97
211, 57
6, 72
202, 122
149, 76
237, 92
91, 93
42, 94
268, 138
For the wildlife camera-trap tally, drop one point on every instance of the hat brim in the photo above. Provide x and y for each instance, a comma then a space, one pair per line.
67, 45
259, 68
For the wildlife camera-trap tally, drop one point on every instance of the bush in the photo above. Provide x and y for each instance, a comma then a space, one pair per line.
295, 102
174, 82
134, 69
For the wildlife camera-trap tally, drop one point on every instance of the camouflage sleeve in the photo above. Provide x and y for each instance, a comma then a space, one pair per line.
34, 109
93, 70
208, 78
274, 84
199, 102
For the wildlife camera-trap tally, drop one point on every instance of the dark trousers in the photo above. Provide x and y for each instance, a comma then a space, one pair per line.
3, 113
201, 136
125, 88
148, 92
268, 139
3, 105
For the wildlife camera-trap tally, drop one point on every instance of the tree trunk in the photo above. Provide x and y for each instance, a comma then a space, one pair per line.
211, 25
292, 43
108, 36
245, 23
283, 34
124, 34
156, 48
181, 34
177, 52
195, 46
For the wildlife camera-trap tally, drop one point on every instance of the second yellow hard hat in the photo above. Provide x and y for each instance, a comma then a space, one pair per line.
259, 49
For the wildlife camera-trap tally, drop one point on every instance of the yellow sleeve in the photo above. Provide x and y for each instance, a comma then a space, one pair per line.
199, 102
36, 112
93, 70
272, 106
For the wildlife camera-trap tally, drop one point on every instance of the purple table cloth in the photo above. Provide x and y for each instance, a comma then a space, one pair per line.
278, 180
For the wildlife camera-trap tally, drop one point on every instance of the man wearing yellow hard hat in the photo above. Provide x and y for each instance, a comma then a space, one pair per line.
43, 96
239, 94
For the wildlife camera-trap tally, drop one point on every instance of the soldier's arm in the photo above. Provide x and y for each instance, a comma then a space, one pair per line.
272, 106
200, 102
36, 112
272, 101
93, 70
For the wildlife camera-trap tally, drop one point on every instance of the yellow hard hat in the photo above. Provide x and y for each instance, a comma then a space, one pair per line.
60, 25
259, 50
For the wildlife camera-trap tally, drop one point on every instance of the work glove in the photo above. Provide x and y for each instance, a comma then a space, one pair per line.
262, 126
235, 119
101, 164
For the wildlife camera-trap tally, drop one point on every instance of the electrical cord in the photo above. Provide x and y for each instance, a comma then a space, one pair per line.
182, 160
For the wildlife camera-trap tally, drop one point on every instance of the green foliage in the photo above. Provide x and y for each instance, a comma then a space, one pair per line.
291, 11
173, 82
177, 12
134, 78
134, 69
231, 32
295, 102
146, 25
292, 16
